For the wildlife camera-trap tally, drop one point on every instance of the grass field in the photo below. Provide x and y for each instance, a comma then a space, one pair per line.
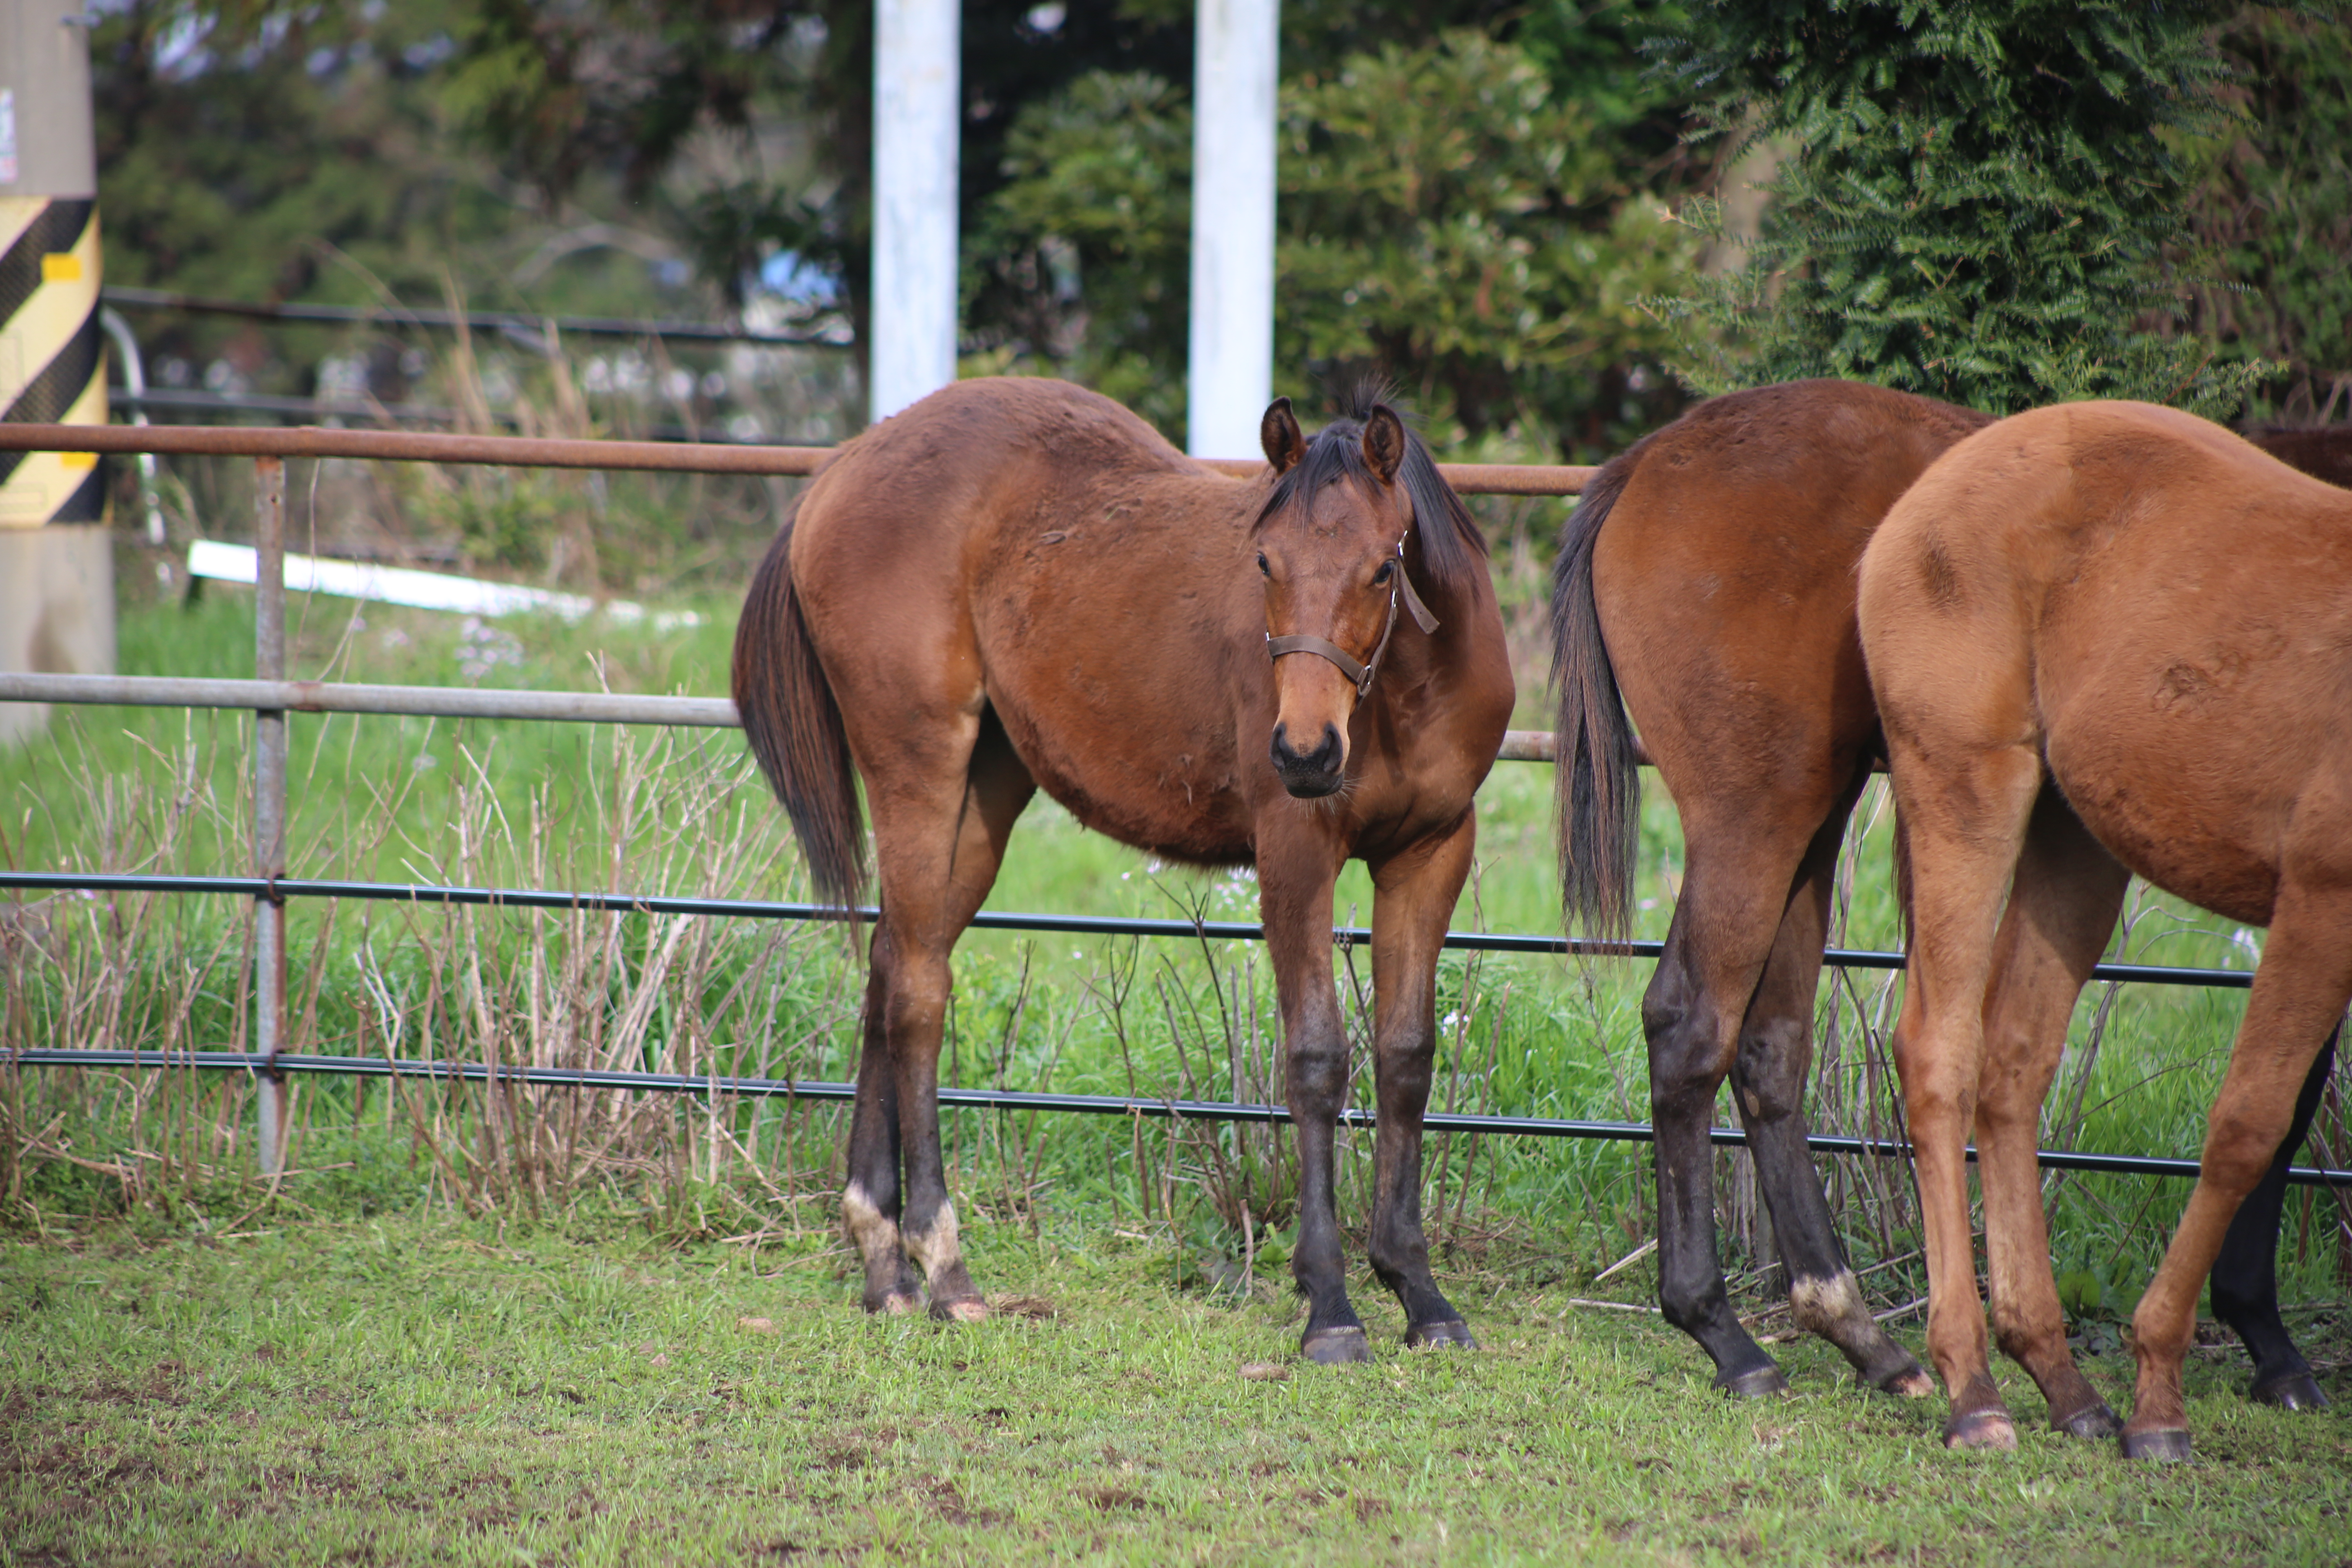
422, 1391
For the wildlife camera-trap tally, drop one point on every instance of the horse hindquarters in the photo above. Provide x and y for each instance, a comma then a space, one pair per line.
944, 784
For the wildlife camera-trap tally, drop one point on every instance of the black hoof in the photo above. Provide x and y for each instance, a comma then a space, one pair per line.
2165, 1446
1453, 1332
1342, 1346
893, 1303
1982, 1429
2292, 1391
2092, 1421
1756, 1382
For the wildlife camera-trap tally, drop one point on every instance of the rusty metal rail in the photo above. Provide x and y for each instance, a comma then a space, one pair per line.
544, 452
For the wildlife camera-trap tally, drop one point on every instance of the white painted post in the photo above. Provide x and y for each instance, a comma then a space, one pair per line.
1231, 376
917, 106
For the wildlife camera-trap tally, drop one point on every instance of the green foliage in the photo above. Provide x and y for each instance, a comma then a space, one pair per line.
243, 149
1447, 222
2272, 207
1977, 202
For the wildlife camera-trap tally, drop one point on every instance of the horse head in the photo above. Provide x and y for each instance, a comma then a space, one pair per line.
1333, 545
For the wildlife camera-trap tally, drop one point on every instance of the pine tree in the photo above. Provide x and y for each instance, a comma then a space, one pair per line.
1979, 202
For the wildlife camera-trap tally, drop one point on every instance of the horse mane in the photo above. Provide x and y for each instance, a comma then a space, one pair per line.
1453, 546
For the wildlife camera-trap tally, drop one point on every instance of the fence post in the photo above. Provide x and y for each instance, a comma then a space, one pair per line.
269, 810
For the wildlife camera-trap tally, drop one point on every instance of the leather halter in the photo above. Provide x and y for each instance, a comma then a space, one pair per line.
1400, 587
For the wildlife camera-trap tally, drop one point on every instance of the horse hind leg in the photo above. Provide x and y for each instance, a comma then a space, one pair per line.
1965, 818
1715, 951
869, 1203
2299, 994
1769, 1080
939, 842
2245, 1282
2062, 910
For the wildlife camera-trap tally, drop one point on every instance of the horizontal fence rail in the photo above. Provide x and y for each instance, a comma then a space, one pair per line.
449, 702
1070, 1104
517, 322
281, 887
652, 456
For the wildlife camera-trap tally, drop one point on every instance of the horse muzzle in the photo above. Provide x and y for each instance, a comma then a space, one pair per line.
1310, 775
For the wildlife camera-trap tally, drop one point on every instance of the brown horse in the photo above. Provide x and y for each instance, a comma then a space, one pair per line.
1017, 582
2105, 639
1709, 572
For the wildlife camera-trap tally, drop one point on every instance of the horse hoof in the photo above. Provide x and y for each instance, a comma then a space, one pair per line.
2094, 1420
1982, 1429
1342, 1346
2164, 1445
960, 1310
1911, 1383
893, 1304
1756, 1382
1453, 1332
2295, 1390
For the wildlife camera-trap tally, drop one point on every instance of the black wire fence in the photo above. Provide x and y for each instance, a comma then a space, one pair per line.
277, 889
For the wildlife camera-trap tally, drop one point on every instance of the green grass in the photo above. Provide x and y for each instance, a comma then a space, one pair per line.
414, 1390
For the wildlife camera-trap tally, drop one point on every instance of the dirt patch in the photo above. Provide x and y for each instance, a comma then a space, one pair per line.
945, 1502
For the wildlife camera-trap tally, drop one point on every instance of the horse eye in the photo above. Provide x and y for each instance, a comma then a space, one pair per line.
1263, 570
1386, 570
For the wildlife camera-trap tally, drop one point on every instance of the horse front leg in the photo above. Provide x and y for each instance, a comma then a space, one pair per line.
1295, 901
1415, 898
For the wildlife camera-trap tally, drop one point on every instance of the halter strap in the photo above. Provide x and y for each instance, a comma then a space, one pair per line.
1400, 587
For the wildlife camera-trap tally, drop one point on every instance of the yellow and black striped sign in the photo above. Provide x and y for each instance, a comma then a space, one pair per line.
52, 369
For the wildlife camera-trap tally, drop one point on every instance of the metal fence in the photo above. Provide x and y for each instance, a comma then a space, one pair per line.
270, 697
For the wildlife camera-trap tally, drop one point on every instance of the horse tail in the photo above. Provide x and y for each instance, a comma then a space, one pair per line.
1597, 784
794, 722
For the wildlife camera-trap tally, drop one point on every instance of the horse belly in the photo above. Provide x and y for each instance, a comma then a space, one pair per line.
2194, 768
1165, 786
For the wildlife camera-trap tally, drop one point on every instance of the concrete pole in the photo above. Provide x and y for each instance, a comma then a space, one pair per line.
1232, 375
57, 571
917, 108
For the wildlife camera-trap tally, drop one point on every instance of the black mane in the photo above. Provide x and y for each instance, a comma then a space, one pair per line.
1451, 544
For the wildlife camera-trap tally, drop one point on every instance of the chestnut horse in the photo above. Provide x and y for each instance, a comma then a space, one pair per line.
2105, 639
1708, 573
1016, 584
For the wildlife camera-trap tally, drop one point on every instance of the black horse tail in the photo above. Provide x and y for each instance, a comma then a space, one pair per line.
794, 722
1597, 784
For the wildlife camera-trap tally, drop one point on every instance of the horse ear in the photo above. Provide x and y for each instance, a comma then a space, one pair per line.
1279, 434
1384, 443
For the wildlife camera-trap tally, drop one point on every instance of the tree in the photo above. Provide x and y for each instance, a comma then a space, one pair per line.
1450, 221
1979, 202
2272, 207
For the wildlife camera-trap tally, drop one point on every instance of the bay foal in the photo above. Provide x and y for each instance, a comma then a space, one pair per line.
1018, 584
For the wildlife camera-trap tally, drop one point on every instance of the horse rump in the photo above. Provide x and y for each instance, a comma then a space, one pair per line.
794, 722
